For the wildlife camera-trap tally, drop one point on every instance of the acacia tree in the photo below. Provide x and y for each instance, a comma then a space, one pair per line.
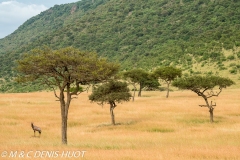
168, 74
65, 69
141, 77
112, 92
204, 86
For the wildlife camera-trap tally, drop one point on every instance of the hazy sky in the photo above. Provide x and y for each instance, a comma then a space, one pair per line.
13, 13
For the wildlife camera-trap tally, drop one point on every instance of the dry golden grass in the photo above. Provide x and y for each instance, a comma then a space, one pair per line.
152, 127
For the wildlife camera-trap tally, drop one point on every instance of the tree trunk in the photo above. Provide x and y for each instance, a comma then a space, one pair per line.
210, 108
112, 106
211, 114
64, 130
64, 123
134, 92
140, 91
167, 90
64, 114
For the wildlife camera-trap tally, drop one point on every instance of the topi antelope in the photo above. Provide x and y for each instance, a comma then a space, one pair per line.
35, 128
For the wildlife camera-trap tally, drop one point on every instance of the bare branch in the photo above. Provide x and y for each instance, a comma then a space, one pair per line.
46, 81
86, 89
199, 93
203, 105
75, 92
213, 105
211, 94
205, 90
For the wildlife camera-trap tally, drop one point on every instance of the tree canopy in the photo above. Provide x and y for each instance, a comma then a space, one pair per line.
202, 83
112, 91
65, 65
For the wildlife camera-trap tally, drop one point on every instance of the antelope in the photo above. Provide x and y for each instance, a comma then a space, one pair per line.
35, 128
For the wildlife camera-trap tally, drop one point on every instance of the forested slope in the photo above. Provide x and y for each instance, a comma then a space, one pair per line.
139, 33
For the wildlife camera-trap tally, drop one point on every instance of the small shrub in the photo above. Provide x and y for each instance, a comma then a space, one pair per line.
197, 72
233, 71
231, 57
224, 59
222, 68
191, 71
232, 65
186, 75
209, 73
238, 54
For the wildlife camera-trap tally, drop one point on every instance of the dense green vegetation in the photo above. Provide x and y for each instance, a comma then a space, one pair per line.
144, 34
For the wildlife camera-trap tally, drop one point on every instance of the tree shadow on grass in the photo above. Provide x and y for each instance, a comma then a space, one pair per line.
35, 136
117, 124
199, 121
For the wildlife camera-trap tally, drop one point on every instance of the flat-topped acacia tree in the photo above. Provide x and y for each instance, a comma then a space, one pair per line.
204, 86
141, 77
65, 69
167, 74
112, 92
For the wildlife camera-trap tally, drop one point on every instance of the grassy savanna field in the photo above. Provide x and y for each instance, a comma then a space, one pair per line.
152, 127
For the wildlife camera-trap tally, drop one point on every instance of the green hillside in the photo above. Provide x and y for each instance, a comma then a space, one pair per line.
191, 34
